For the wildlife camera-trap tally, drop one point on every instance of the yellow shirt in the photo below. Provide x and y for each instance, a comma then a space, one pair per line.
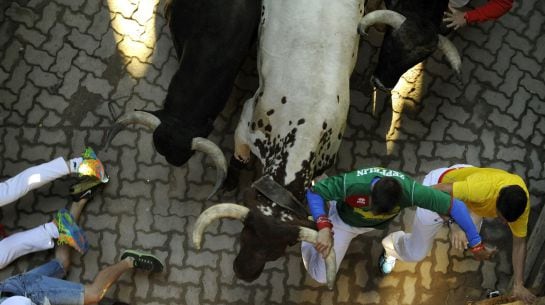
479, 188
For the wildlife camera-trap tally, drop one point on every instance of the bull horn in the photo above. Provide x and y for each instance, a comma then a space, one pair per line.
217, 211
136, 117
211, 149
309, 235
451, 53
391, 18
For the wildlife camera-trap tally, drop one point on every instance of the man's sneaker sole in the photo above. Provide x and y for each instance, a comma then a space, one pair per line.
144, 261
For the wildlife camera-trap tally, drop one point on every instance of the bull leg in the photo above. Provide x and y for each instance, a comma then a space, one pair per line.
242, 133
242, 153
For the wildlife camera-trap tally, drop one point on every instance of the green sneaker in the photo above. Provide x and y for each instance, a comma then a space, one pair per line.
144, 261
91, 166
69, 232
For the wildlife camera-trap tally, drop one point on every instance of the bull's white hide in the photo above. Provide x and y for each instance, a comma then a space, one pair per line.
307, 51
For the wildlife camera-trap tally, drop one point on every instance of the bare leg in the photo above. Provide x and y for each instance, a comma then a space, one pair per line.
77, 207
105, 278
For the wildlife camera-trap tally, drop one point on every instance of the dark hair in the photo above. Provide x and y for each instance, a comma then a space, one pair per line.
512, 202
385, 195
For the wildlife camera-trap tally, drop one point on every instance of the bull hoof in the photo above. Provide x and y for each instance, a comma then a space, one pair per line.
233, 174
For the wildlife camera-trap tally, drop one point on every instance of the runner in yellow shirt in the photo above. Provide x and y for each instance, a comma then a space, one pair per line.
487, 192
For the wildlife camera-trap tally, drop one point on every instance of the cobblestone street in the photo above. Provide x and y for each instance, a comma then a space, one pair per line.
67, 66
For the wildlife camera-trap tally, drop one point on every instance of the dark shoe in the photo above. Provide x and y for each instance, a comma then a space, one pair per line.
86, 188
144, 261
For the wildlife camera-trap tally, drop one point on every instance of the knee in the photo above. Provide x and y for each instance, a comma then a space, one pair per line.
416, 255
92, 295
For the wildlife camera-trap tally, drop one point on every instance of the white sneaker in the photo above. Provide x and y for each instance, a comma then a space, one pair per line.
386, 263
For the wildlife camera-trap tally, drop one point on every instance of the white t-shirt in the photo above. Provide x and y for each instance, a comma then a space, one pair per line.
17, 301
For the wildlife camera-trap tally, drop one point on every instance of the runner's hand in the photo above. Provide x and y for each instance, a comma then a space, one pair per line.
458, 238
324, 241
455, 18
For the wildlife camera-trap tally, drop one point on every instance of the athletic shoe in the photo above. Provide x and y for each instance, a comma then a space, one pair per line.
69, 232
91, 166
144, 261
386, 263
86, 188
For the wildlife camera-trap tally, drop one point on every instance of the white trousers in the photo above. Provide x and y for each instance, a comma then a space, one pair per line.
414, 246
30, 179
343, 235
21, 243
39, 238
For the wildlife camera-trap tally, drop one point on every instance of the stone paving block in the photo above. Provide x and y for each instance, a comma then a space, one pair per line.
54, 44
234, 294
278, 291
21, 14
43, 79
90, 260
16, 82
441, 258
31, 36
489, 275
71, 82
192, 295
107, 46
408, 290
511, 153
177, 245
150, 240
298, 296
167, 72
169, 224
465, 265
49, 16
149, 92
425, 275
51, 137
369, 297
108, 253
536, 165
97, 86
83, 41
161, 52
100, 24
141, 284
90, 64
527, 124
503, 120
202, 258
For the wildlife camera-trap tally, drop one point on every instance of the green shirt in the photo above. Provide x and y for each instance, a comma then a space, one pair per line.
352, 190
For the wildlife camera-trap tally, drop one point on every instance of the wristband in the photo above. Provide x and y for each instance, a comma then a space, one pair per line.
323, 222
477, 248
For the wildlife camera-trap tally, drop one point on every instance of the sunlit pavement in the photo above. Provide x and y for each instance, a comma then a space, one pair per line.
65, 63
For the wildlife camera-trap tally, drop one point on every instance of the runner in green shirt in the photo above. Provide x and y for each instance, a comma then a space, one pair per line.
367, 199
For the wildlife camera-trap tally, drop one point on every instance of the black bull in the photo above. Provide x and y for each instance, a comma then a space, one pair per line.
413, 41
